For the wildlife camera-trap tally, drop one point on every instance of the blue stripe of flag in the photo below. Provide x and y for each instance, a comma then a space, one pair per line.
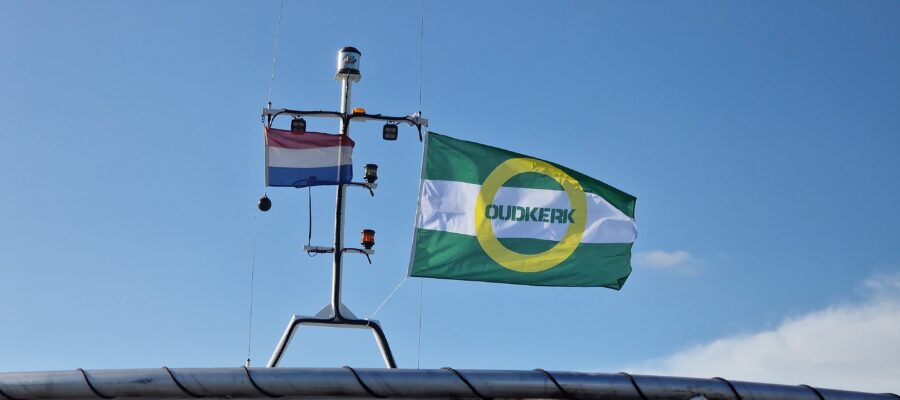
303, 177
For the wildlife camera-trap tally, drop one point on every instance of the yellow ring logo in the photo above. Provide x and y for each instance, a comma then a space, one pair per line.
529, 262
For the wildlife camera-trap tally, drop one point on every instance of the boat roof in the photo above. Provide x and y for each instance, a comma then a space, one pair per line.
347, 383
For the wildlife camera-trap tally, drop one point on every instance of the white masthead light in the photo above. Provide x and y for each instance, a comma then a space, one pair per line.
348, 64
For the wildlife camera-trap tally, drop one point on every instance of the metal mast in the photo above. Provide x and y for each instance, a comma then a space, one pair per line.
335, 314
345, 77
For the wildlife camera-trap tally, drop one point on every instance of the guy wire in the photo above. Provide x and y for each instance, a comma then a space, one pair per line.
309, 227
419, 342
252, 278
275, 51
421, 49
377, 309
421, 57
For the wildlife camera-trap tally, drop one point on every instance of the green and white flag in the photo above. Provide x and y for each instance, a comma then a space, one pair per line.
488, 214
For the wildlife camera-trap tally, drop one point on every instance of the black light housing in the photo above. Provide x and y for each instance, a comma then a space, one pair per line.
298, 125
389, 132
371, 173
264, 203
368, 238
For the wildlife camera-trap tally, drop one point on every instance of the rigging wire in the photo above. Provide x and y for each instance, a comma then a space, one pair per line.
377, 309
421, 49
309, 227
419, 342
253, 223
421, 57
252, 278
275, 51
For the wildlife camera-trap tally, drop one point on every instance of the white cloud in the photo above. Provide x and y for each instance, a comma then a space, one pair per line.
662, 259
883, 285
851, 347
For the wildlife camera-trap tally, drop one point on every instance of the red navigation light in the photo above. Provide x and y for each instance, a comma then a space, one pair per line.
368, 238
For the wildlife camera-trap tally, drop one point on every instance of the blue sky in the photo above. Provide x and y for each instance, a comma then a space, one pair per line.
760, 139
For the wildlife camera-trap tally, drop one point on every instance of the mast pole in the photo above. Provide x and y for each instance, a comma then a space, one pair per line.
347, 74
339, 207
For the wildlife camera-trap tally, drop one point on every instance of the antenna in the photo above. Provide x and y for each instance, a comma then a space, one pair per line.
336, 314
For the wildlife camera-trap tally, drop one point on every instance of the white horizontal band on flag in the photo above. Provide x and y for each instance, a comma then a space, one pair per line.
449, 206
308, 158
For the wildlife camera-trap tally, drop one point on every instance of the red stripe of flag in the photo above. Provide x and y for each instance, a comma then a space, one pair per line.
305, 140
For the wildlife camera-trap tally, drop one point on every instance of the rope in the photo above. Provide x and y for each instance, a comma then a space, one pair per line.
180, 386
466, 381
253, 382
421, 49
388, 297
555, 383
363, 384
814, 390
730, 386
309, 227
419, 341
275, 51
91, 385
634, 383
252, 280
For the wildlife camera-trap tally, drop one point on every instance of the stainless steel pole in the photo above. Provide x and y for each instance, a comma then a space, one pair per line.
339, 208
348, 72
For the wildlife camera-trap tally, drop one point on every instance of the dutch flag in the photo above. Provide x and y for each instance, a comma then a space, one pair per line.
301, 159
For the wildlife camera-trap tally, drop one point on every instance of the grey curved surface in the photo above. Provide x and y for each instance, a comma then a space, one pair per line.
184, 383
